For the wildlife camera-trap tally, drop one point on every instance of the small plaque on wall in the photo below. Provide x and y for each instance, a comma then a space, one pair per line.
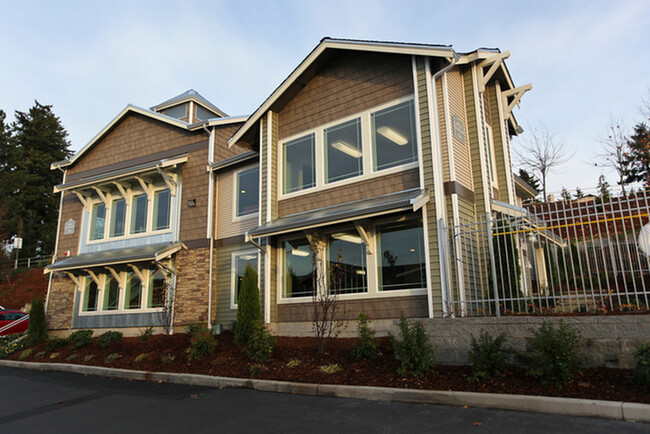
68, 228
459, 128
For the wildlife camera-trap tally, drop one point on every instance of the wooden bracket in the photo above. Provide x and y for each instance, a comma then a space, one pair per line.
94, 277
104, 195
121, 281
516, 95
365, 236
125, 189
138, 273
85, 200
493, 62
171, 183
75, 279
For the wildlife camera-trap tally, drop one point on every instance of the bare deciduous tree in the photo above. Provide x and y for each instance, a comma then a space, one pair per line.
541, 152
612, 154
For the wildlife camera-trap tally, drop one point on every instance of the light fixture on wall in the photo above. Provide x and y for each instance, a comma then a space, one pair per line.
191, 203
347, 148
392, 135
297, 252
356, 239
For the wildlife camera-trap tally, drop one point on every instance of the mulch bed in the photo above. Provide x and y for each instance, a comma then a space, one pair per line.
231, 361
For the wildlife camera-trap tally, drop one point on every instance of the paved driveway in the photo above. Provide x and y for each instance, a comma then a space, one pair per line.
53, 402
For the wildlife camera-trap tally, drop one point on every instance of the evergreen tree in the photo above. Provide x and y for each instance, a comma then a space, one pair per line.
249, 309
529, 179
603, 188
579, 193
36, 140
639, 155
566, 194
37, 324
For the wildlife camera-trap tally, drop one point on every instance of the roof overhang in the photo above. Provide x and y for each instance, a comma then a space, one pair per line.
153, 252
244, 158
408, 200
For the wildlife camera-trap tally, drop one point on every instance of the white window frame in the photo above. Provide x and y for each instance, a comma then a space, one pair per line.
372, 266
235, 194
366, 148
233, 270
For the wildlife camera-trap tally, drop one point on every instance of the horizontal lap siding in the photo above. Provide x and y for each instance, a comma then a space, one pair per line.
376, 308
357, 191
473, 139
227, 225
349, 83
71, 209
502, 159
223, 280
263, 170
444, 124
462, 156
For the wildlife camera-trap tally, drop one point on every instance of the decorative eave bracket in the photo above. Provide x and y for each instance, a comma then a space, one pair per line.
512, 97
494, 62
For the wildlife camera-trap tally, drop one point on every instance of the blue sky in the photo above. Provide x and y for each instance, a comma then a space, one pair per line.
587, 60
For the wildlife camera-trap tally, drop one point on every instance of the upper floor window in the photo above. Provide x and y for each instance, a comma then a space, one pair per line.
393, 136
139, 205
118, 218
161, 208
248, 191
97, 221
369, 142
299, 162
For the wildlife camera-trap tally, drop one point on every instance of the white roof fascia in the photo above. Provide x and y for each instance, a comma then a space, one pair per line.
194, 99
215, 122
381, 47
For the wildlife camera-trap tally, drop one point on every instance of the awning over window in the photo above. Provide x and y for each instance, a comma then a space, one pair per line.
152, 252
412, 199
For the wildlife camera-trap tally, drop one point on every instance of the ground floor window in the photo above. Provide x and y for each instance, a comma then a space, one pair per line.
111, 294
90, 296
400, 249
157, 289
239, 262
346, 263
133, 298
299, 269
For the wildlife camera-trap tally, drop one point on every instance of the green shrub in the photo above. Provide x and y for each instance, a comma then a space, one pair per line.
71, 357
330, 369
37, 331
413, 349
293, 363
249, 309
257, 368
553, 355
141, 357
105, 340
88, 358
111, 358
367, 346
12, 345
146, 334
194, 329
488, 356
167, 358
81, 338
201, 345
261, 343
56, 343
39, 355
54, 355
642, 369
26, 353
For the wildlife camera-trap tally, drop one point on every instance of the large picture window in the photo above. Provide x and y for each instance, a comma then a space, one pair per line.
400, 250
97, 221
248, 191
343, 151
157, 290
111, 294
299, 164
240, 261
393, 136
347, 263
298, 269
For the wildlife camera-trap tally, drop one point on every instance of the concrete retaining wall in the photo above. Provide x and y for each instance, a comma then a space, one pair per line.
607, 341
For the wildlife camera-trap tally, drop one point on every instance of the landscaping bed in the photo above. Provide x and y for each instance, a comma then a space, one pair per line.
296, 360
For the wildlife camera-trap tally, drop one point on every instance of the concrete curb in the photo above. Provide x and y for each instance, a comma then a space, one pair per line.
538, 404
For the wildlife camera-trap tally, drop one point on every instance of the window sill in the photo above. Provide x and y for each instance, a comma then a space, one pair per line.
120, 312
360, 296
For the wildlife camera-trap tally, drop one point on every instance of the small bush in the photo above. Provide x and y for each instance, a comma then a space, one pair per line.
141, 357
105, 340
293, 363
413, 349
249, 309
26, 353
146, 334
257, 368
553, 355
88, 358
261, 343
54, 355
194, 329
367, 346
81, 338
642, 369
37, 331
167, 358
330, 369
56, 343
488, 356
111, 358
39, 355
71, 357
201, 345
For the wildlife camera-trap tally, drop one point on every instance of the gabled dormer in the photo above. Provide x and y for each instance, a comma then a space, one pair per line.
189, 107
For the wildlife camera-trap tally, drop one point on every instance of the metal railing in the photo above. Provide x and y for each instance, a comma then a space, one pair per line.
35, 261
565, 256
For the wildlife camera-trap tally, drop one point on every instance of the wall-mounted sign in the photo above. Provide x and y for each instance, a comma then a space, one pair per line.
68, 228
458, 128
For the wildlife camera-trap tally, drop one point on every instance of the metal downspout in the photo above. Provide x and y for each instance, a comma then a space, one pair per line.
210, 221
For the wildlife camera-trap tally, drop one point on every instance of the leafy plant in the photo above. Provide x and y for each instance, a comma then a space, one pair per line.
201, 345
553, 355
88, 358
108, 338
146, 334
81, 338
257, 368
141, 357
488, 356
194, 329
642, 369
39, 355
261, 343
293, 363
249, 309
37, 331
71, 357
367, 346
111, 358
330, 369
413, 349
54, 355
167, 358
26, 353
56, 343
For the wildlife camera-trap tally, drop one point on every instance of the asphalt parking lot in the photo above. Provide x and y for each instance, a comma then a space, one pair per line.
54, 402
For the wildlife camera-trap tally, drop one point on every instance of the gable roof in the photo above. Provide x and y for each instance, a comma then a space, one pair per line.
189, 95
130, 109
328, 44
